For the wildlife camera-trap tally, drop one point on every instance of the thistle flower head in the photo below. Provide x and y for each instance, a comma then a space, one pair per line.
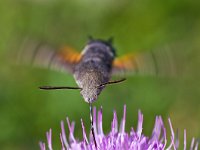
118, 138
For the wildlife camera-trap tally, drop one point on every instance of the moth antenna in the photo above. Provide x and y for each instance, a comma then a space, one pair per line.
90, 38
112, 82
58, 88
110, 40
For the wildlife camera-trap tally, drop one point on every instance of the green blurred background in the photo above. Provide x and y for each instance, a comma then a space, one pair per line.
26, 113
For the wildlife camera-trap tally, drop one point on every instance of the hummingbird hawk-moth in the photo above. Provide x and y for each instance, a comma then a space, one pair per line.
92, 68
96, 64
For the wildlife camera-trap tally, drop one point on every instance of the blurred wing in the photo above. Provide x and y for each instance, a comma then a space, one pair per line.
42, 55
158, 62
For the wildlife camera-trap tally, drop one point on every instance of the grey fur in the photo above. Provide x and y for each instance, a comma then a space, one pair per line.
94, 69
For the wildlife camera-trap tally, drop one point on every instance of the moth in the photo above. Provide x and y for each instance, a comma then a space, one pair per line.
96, 64
92, 68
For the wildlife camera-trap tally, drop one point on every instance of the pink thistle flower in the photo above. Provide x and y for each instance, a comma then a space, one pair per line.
117, 138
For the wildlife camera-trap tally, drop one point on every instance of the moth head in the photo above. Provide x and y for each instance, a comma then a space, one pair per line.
90, 94
94, 44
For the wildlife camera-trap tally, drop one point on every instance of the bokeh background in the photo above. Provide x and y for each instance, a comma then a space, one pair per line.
26, 113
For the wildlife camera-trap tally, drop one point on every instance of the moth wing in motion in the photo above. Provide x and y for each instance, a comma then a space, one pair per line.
156, 62
43, 55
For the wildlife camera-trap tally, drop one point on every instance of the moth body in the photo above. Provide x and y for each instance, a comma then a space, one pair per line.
94, 68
